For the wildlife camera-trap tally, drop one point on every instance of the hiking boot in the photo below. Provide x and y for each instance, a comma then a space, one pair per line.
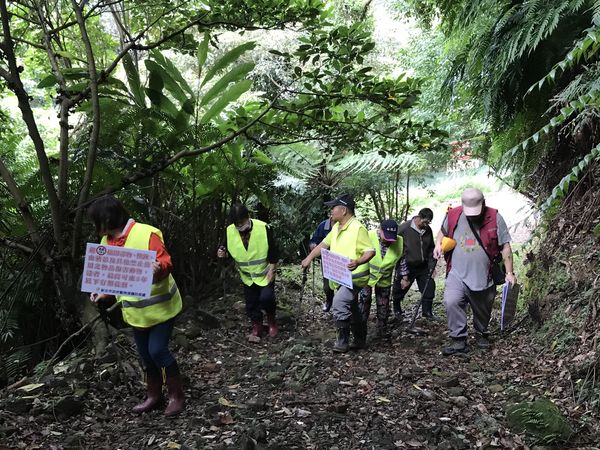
256, 328
359, 336
153, 391
455, 345
343, 336
482, 342
273, 328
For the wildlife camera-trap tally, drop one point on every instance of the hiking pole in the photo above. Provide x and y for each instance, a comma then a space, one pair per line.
313, 277
299, 307
417, 307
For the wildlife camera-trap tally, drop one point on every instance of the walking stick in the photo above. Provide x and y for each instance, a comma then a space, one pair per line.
417, 307
313, 277
299, 307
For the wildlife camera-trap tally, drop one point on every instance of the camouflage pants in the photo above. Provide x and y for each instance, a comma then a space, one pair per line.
382, 302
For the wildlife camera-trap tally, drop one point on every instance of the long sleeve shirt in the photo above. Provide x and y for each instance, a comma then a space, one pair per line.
156, 244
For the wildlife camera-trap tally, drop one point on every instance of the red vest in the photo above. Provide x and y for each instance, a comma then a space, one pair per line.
488, 232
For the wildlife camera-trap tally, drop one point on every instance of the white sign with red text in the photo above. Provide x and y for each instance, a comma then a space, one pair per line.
117, 270
335, 268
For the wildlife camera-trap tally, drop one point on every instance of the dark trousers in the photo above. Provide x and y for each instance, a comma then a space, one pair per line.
259, 299
153, 344
382, 301
421, 275
328, 290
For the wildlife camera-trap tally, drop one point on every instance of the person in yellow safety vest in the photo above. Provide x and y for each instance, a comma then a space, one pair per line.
389, 253
349, 238
152, 318
250, 243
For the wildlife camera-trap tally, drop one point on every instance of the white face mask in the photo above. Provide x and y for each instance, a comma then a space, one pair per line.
244, 227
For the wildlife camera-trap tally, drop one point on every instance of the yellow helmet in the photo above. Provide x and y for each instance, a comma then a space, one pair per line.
448, 244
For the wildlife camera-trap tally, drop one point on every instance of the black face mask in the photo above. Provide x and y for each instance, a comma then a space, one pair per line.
476, 220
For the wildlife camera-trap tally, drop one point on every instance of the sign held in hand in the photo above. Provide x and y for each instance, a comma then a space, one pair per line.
335, 268
118, 270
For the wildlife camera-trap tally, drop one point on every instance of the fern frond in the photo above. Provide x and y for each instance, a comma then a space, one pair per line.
584, 49
562, 188
373, 162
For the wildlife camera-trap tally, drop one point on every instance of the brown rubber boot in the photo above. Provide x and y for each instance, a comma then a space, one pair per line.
256, 328
154, 392
273, 328
175, 391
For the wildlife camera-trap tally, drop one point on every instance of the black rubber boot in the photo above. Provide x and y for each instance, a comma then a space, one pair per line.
427, 306
381, 332
359, 336
397, 310
343, 336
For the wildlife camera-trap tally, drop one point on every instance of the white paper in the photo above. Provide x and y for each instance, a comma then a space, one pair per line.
335, 268
117, 270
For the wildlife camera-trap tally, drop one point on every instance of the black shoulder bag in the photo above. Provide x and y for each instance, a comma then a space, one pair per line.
496, 269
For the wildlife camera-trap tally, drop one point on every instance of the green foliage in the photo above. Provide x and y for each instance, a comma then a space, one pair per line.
542, 419
345, 103
560, 191
529, 71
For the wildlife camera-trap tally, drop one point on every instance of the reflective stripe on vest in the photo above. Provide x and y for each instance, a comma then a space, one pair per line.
142, 303
164, 302
343, 242
252, 263
382, 269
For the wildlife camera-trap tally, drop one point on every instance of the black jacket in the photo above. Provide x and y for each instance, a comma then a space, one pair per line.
418, 250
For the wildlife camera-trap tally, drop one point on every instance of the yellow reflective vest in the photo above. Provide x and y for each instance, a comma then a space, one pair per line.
380, 270
343, 242
164, 302
252, 263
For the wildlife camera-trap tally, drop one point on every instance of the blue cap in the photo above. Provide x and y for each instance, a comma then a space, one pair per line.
390, 230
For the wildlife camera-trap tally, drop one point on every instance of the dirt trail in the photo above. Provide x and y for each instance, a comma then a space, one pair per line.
290, 392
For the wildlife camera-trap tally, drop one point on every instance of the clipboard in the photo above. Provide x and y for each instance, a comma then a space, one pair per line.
510, 297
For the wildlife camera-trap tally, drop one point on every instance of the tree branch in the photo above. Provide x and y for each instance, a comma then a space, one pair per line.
25, 41
15, 245
22, 204
95, 132
65, 104
16, 85
160, 166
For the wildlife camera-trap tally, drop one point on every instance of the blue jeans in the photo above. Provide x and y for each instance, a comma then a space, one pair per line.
153, 344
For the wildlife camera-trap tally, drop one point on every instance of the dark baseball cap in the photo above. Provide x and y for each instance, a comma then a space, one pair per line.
390, 230
343, 200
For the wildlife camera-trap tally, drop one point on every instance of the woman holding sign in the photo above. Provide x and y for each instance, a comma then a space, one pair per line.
348, 238
152, 318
